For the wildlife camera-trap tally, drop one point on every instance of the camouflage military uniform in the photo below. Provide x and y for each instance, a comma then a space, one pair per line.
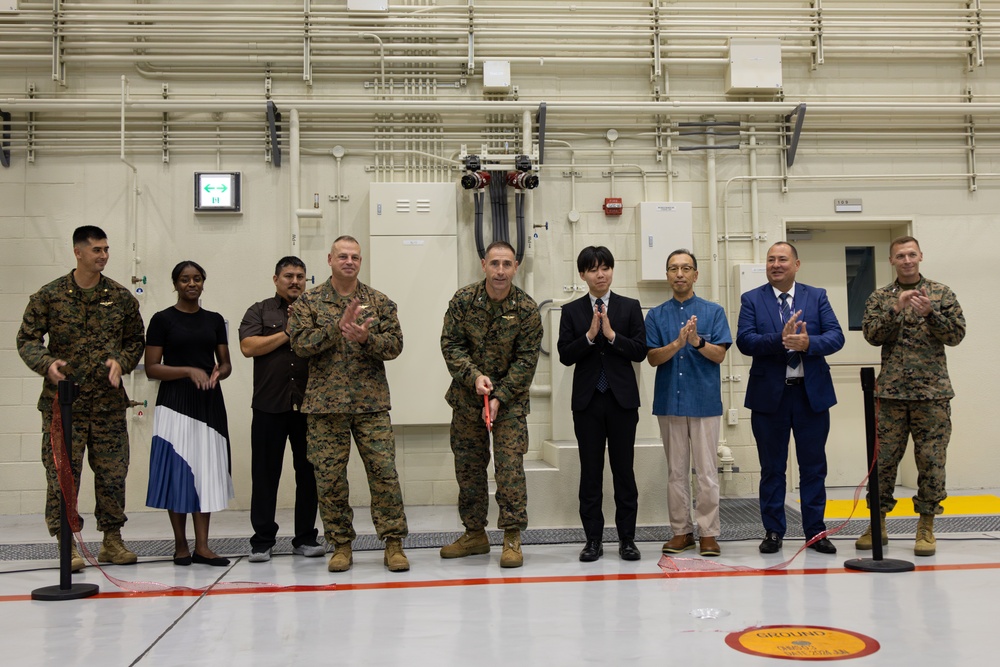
85, 328
501, 341
914, 389
348, 394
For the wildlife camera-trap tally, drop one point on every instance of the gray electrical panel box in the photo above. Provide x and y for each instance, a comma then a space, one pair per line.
661, 228
414, 260
754, 66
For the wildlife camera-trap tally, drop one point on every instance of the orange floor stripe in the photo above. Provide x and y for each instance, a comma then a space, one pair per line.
487, 581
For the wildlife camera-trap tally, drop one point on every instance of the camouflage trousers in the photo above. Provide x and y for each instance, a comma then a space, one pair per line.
929, 422
105, 438
470, 443
328, 447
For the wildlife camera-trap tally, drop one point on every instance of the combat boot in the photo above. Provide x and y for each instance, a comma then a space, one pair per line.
471, 543
394, 558
511, 556
864, 543
76, 562
113, 550
926, 544
342, 558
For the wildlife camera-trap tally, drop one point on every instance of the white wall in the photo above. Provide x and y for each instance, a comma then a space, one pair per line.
43, 200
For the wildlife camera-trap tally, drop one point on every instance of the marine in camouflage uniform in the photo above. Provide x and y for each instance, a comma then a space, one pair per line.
913, 319
348, 394
499, 340
87, 329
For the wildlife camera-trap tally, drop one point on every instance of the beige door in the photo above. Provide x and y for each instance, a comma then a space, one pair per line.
827, 262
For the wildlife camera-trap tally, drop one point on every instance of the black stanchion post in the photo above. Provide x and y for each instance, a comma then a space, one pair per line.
877, 563
66, 590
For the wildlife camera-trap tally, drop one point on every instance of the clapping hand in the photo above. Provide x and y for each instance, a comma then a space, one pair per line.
349, 326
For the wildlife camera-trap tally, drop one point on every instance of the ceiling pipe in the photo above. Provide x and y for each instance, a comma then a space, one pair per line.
449, 106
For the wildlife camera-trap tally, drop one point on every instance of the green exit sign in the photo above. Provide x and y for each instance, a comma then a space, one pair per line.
217, 191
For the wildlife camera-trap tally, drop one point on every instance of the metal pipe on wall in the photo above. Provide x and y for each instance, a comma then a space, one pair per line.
294, 176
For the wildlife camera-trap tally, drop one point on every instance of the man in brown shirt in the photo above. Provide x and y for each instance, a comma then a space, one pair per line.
279, 384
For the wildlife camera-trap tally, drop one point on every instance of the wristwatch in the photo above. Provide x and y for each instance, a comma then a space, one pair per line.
701, 344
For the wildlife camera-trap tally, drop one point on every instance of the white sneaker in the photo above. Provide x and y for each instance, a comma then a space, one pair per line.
309, 550
260, 556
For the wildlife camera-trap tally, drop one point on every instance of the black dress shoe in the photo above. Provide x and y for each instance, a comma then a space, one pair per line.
824, 546
182, 560
771, 543
591, 551
218, 561
628, 551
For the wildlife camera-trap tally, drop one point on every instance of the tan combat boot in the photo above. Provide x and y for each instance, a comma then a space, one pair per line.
864, 543
511, 556
473, 542
394, 558
342, 558
113, 550
76, 562
926, 544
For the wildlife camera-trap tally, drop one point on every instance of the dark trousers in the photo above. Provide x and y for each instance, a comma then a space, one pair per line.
604, 421
268, 433
771, 430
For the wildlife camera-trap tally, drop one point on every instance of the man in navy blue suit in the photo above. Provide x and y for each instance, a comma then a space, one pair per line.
602, 334
788, 328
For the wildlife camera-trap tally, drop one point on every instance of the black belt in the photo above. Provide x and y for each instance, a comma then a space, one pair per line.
794, 381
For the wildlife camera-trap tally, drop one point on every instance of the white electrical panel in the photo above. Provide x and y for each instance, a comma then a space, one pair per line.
661, 228
747, 277
413, 259
430, 209
754, 66
368, 5
496, 76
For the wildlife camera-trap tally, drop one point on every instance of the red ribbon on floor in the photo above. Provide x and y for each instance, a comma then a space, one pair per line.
671, 565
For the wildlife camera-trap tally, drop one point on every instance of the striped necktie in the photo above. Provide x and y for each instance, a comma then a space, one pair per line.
793, 359
602, 379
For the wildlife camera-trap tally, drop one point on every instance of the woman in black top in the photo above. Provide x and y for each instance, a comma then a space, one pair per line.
189, 466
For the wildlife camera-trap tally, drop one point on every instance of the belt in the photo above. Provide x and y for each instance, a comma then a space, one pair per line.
794, 381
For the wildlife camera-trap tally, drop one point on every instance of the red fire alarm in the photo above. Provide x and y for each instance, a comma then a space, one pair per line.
612, 206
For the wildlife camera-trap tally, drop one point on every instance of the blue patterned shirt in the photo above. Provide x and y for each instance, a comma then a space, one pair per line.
687, 385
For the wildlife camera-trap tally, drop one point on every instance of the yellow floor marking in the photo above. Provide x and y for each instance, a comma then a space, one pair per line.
974, 505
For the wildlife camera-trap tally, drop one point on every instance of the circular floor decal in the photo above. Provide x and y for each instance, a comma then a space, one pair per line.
802, 642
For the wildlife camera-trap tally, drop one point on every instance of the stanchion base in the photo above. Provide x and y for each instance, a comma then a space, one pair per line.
883, 565
74, 592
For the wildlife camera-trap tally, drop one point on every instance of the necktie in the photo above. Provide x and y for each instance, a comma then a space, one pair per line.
792, 358
602, 379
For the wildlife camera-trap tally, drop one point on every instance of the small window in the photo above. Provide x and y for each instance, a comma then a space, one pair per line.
860, 265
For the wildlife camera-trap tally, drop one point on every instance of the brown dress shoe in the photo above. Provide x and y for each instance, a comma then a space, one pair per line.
709, 546
678, 543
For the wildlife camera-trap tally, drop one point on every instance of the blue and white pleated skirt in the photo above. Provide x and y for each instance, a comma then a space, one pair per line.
189, 468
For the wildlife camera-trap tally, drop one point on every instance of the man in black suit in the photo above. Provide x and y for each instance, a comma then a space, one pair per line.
603, 333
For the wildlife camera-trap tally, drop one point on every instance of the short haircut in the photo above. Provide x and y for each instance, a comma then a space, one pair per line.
290, 260
176, 273
683, 251
500, 244
594, 257
900, 240
345, 237
795, 253
88, 233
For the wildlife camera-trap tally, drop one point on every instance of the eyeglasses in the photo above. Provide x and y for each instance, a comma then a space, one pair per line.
687, 268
